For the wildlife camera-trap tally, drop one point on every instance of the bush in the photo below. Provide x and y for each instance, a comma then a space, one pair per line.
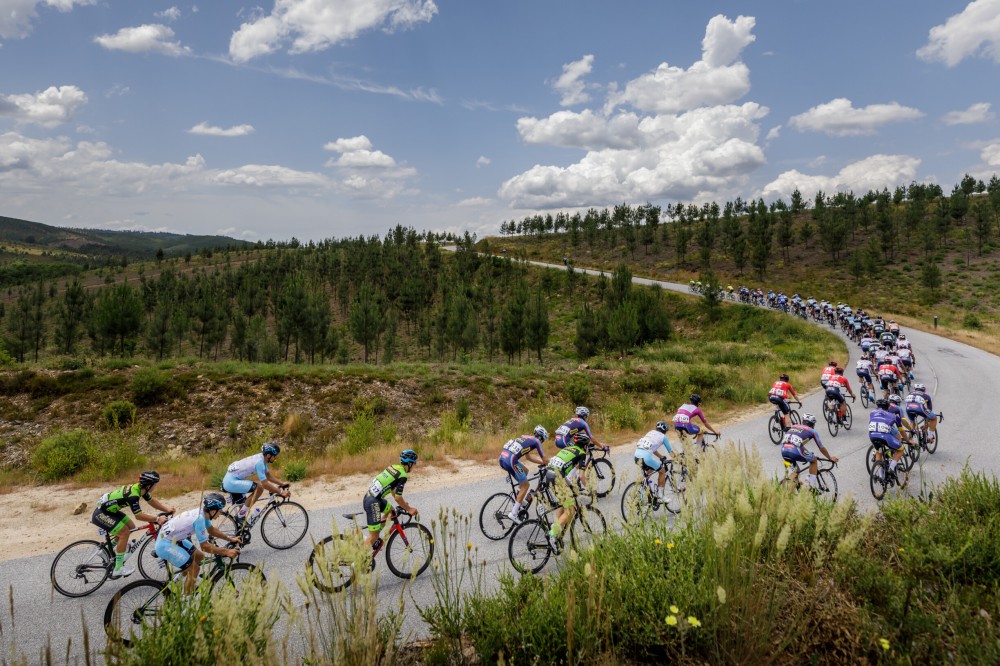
972, 322
119, 414
112, 458
360, 434
622, 415
62, 454
462, 411
295, 470
151, 387
577, 388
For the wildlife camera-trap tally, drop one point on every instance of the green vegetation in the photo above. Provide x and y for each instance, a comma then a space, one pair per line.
119, 414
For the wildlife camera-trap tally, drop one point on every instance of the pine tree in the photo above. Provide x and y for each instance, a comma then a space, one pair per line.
69, 318
367, 318
537, 324
588, 333
623, 327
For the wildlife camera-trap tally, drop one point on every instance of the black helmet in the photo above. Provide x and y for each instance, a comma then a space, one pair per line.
581, 439
838, 370
882, 403
695, 399
662, 426
213, 502
783, 377
149, 479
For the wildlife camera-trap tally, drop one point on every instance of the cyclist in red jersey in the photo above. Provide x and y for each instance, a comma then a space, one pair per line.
889, 377
837, 383
828, 372
778, 396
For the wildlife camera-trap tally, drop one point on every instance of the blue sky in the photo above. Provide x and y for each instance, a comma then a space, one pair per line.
329, 118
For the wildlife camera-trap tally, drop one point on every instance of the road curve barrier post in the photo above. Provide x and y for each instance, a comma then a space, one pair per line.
935, 322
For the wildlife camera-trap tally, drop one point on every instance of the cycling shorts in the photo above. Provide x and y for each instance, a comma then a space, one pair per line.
649, 459
887, 382
781, 403
865, 375
179, 555
375, 512
794, 454
881, 440
237, 486
907, 362
110, 522
689, 428
516, 470
912, 413
834, 393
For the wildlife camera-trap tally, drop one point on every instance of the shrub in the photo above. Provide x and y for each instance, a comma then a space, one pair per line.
360, 434
297, 425
119, 414
622, 415
376, 404
150, 387
577, 388
295, 470
62, 454
973, 322
111, 458
462, 411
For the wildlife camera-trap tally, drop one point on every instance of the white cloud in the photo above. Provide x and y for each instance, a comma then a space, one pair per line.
817, 162
142, 39
570, 84
773, 133
582, 130
871, 173
268, 175
483, 161
365, 172
991, 154
48, 108
16, 15
228, 231
973, 31
838, 117
715, 79
474, 202
977, 113
170, 14
209, 130
314, 25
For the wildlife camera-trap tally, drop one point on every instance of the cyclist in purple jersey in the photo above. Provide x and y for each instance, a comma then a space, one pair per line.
525, 446
793, 447
686, 413
883, 432
567, 431
894, 406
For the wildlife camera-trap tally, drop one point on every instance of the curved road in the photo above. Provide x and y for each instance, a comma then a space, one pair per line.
962, 379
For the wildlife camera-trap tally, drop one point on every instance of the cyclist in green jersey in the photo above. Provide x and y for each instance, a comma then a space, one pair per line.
564, 468
389, 483
110, 515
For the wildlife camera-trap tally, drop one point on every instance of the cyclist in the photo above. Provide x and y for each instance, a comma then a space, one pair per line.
833, 391
647, 452
906, 360
239, 484
793, 447
567, 431
685, 413
174, 543
883, 432
919, 403
525, 446
828, 372
889, 377
389, 482
864, 372
565, 465
905, 422
902, 342
888, 340
778, 396
893, 327
110, 516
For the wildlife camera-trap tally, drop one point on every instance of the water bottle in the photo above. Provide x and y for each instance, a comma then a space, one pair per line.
254, 515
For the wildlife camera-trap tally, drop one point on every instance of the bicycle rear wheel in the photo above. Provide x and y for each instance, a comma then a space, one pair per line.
848, 417
330, 570
152, 566
494, 520
588, 525
284, 524
864, 398
870, 458
637, 503
832, 425
528, 548
774, 430
601, 477
826, 485
878, 479
410, 557
80, 568
240, 576
227, 524
135, 609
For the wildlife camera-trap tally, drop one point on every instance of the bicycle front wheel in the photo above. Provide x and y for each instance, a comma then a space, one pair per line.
774, 430
848, 417
826, 485
227, 524
794, 417
870, 461
240, 576
494, 520
330, 570
878, 479
80, 568
284, 524
588, 525
636, 503
864, 398
601, 477
931, 446
134, 610
409, 556
673, 491
150, 565
528, 548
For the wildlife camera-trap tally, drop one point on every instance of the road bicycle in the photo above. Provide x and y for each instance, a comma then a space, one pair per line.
638, 499
834, 421
283, 522
138, 606
882, 478
598, 473
911, 454
83, 566
529, 549
775, 429
826, 482
705, 445
920, 424
867, 394
409, 549
494, 517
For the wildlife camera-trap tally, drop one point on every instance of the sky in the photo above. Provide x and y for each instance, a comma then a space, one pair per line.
332, 118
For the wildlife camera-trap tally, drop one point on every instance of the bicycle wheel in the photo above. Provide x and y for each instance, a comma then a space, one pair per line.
528, 548
227, 524
794, 418
135, 609
932, 446
832, 425
826, 485
864, 398
848, 417
601, 477
494, 520
409, 557
878, 479
588, 525
636, 503
152, 566
284, 524
774, 430
80, 568
331, 571
240, 576
870, 458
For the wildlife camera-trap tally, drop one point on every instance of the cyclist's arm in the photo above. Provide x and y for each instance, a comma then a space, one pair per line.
701, 415
403, 504
157, 504
536, 457
274, 484
219, 534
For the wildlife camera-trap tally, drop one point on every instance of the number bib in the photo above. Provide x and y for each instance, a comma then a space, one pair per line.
879, 427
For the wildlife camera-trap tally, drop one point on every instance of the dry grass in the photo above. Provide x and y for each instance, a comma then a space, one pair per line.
987, 339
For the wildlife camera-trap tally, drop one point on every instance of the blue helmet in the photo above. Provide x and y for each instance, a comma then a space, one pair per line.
662, 426
213, 502
408, 457
582, 412
541, 433
270, 447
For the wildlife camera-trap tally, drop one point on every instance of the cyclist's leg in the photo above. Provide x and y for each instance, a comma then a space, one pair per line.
191, 575
239, 488
375, 509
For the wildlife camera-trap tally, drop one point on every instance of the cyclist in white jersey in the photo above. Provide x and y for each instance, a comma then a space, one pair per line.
647, 451
174, 545
864, 372
239, 478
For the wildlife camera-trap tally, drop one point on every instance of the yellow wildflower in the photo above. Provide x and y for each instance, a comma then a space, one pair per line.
657, 542
672, 620
670, 545
693, 621
884, 643
675, 610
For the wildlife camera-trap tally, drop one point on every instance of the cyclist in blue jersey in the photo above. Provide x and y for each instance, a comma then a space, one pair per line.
530, 448
918, 403
883, 432
239, 482
567, 431
793, 446
174, 541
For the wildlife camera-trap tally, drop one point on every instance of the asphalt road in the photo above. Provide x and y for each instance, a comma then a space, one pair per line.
962, 379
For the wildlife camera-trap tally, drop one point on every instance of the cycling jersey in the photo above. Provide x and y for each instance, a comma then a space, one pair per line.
567, 431
682, 419
839, 381
126, 496
864, 367
903, 344
883, 428
919, 403
780, 389
184, 525
243, 469
653, 441
888, 371
793, 445
828, 372
390, 481
567, 460
880, 356
515, 449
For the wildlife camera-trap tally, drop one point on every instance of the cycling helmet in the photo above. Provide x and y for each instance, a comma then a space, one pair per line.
408, 457
783, 377
662, 426
919, 387
149, 479
270, 447
902, 336
581, 439
695, 399
882, 403
541, 433
838, 370
582, 412
833, 363
809, 420
213, 502
895, 399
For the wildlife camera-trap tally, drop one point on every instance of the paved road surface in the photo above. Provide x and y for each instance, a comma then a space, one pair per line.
963, 380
